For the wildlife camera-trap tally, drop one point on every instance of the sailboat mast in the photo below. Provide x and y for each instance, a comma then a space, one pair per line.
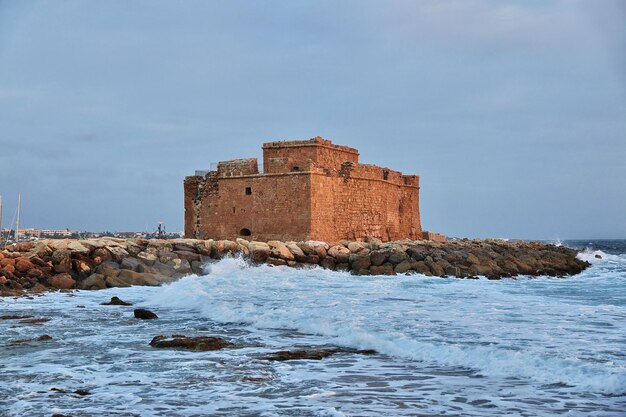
0, 220
17, 227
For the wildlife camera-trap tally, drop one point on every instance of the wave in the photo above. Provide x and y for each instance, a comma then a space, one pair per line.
354, 312
595, 256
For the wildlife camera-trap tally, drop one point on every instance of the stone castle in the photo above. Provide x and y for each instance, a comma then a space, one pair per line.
308, 190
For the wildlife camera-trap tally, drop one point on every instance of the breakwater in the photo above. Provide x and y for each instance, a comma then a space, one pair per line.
103, 263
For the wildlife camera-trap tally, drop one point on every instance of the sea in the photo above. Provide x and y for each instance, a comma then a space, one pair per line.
444, 346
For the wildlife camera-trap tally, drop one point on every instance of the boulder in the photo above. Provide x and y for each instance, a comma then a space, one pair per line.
328, 263
61, 261
421, 268
296, 251
419, 253
187, 255
355, 247
117, 281
202, 343
23, 265
109, 269
62, 281
115, 301
320, 248
275, 261
82, 264
101, 255
397, 256
76, 247
147, 258
384, 269
360, 263
144, 314
259, 251
379, 257
281, 251
181, 266
403, 267
131, 264
340, 253
165, 270
93, 282
313, 354
118, 253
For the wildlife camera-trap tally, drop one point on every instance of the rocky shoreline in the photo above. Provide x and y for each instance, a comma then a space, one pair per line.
94, 264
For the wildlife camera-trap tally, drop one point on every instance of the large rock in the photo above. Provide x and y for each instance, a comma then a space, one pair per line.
355, 247
202, 343
101, 255
62, 281
115, 301
340, 253
181, 266
281, 251
118, 253
187, 255
61, 261
109, 269
259, 251
296, 251
313, 354
384, 269
131, 264
419, 253
397, 256
379, 257
93, 282
144, 314
77, 247
360, 263
147, 258
23, 265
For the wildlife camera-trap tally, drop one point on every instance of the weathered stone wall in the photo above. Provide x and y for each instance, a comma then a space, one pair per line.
357, 207
437, 237
310, 189
238, 167
277, 207
320, 151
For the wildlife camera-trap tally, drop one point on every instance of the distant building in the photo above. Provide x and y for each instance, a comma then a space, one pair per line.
309, 189
53, 232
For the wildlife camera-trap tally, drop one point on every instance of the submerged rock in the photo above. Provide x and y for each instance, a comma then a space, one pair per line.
313, 354
42, 338
115, 301
144, 314
201, 343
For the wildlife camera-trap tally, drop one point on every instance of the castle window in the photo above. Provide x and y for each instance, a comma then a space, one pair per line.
385, 175
245, 232
233, 209
248, 190
295, 168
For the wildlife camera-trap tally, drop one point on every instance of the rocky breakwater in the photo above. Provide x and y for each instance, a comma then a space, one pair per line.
102, 263
97, 263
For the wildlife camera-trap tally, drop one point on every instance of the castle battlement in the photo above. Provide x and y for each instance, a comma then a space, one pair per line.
309, 189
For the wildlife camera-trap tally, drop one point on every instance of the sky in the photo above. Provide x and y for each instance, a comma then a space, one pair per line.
513, 113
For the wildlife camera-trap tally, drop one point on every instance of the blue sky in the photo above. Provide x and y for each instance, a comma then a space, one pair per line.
512, 113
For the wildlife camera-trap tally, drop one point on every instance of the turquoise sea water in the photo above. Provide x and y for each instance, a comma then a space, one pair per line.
524, 347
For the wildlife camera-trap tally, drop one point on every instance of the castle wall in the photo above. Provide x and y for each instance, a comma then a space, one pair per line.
321, 152
366, 205
277, 208
309, 190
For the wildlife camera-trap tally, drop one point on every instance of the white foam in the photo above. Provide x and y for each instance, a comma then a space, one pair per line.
361, 313
595, 256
